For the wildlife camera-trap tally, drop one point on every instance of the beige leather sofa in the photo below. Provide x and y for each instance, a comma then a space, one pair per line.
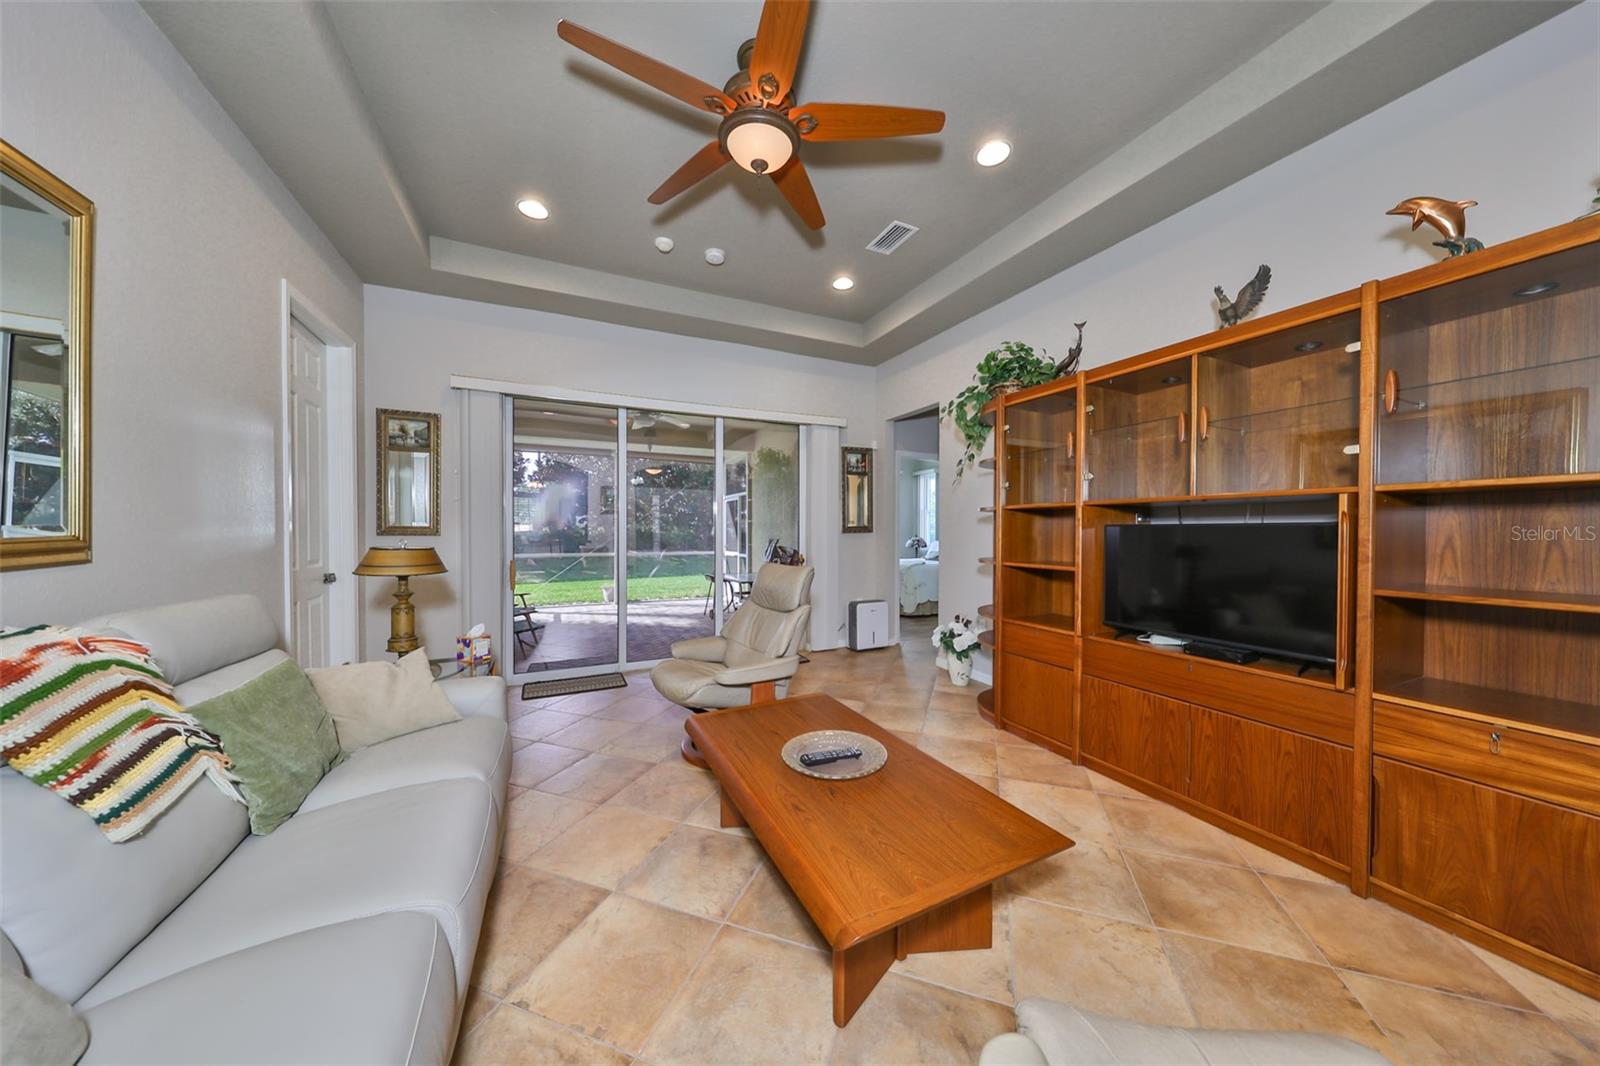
1055, 1034
346, 936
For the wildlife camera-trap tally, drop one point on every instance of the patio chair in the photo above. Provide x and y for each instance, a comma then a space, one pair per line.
754, 658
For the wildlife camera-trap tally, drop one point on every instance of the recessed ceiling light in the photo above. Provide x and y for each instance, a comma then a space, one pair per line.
534, 209
1539, 289
844, 283
716, 256
663, 245
993, 153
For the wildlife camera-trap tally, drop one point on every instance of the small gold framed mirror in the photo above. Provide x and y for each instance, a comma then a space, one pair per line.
47, 231
408, 473
856, 486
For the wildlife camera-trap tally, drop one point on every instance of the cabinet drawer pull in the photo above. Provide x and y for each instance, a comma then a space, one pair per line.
1202, 426
1494, 742
1183, 428
1071, 450
1391, 391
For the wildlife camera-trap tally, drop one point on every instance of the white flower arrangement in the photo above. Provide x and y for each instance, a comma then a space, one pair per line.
957, 638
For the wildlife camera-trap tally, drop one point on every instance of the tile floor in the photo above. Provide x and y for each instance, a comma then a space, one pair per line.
626, 926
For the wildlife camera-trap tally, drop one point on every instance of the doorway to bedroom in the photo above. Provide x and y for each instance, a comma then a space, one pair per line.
916, 514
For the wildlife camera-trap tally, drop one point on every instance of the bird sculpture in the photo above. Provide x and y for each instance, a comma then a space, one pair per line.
1233, 311
1449, 217
1068, 364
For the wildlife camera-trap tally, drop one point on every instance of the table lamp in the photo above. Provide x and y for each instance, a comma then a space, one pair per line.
401, 563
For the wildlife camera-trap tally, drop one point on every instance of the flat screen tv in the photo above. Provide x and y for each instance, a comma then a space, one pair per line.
1265, 587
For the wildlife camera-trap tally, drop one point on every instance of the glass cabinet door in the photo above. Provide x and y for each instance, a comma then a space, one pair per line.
1494, 377
1041, 449
1281, 411
1138, 429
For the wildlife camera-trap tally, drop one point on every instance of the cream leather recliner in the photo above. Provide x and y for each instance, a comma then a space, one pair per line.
757, 653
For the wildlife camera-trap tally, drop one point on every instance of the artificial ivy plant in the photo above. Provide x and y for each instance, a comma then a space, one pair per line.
1013, 365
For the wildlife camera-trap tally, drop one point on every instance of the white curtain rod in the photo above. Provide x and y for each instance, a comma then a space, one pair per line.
643, 403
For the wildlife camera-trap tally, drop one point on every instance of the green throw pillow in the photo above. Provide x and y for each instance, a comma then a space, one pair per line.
280, 738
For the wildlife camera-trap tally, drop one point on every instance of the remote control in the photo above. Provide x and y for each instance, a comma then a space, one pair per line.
819, 758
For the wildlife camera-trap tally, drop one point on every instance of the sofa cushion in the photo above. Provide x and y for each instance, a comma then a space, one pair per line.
429, 848
36, 1026
227, 678
471, 749
379, 990
280, 738
378, 701
73, 902
197, 637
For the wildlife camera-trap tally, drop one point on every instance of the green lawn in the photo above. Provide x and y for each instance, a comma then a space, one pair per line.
676, 587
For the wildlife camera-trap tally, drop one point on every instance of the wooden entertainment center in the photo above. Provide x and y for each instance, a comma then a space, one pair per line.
1447, 421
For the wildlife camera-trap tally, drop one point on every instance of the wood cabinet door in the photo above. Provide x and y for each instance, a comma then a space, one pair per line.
1525, 868
1292, 786
1038, 697
1137, 731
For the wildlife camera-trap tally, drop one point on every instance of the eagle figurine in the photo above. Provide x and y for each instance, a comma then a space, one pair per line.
1233, 311
1449, 217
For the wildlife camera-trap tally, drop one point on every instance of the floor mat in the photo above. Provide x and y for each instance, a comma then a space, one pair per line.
539, 690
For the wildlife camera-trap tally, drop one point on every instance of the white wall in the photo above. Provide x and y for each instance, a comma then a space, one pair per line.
194, 235
414, 342
1518, 130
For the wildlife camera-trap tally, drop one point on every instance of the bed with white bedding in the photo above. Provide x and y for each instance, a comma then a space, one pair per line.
919, 586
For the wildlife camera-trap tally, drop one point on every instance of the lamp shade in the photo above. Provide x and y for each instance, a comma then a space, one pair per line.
399, 562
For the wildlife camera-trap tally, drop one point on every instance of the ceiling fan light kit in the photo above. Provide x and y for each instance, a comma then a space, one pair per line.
761, 129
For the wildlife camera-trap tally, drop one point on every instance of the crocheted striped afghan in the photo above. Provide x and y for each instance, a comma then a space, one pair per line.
91, 718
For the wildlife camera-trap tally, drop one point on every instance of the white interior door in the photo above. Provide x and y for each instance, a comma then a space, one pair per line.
310, 571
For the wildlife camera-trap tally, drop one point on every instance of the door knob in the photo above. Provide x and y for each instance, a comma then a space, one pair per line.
329, 578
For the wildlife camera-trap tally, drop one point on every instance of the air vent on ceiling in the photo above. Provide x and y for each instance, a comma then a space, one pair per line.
893, 236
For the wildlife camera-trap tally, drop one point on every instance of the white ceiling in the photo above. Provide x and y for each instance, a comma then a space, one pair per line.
409, 130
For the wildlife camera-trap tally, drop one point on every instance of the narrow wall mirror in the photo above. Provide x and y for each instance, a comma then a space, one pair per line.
408, 473
47, 231
856, 485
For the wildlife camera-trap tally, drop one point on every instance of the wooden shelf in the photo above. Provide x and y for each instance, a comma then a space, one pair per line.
986, 610
1068, 567
1210, 497
1562, 718
1541, 601
986, 463
1279, 668
986, 510
1550, 481
985, 560
1055, 623
987, 638
1058, 505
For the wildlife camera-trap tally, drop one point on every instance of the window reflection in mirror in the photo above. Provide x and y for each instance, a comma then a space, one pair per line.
36, 363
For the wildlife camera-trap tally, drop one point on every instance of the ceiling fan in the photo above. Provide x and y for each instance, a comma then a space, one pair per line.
762, 128
649, 419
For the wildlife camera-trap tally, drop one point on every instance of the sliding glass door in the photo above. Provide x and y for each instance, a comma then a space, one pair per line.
697, 503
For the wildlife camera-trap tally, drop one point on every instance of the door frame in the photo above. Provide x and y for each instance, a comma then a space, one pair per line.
340, 503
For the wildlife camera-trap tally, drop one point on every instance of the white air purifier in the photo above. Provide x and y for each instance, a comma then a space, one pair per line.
869, 624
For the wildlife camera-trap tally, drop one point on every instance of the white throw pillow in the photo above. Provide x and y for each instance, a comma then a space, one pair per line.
373, 702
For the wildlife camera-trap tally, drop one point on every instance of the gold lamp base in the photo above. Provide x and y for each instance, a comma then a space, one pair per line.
403, 620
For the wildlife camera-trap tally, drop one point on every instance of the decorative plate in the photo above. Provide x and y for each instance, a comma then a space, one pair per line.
873, 754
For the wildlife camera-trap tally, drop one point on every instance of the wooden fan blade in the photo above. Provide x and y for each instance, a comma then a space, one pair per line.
704, 163
795, 184
777, 51
862, 122
652, 72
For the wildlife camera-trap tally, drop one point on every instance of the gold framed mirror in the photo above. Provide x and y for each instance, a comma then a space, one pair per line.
408, 473
855, 472
47, 231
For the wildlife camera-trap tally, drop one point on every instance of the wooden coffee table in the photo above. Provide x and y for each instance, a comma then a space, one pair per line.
900, 862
